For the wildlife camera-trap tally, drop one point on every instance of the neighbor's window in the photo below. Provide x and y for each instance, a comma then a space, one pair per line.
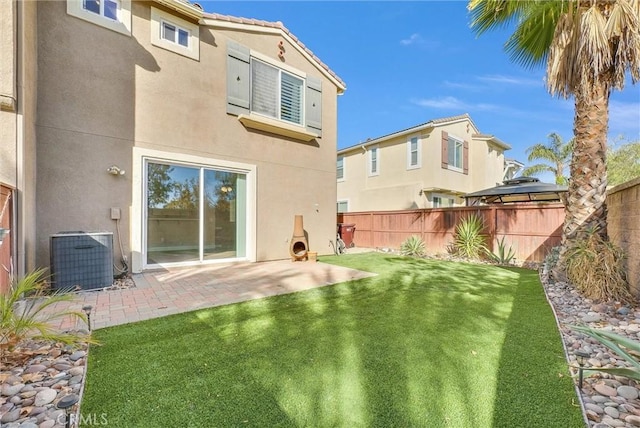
442, 202
175, 34
107, 8
276, 93
340, 168
373, 161
343, 206
455, 150
413, 153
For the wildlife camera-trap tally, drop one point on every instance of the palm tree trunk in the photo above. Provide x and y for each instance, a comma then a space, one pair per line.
586, 208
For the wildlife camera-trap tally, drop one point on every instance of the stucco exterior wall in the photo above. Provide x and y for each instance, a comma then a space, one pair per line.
623, 226
396, 187
18, 86
104, 94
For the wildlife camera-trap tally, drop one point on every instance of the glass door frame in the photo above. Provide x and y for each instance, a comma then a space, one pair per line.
142, 157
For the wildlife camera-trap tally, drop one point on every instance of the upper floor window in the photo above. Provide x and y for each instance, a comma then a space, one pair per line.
374, 167
413, 153
276, 93
455, 151
112, 14
340, 168
272, 96
175, 34
107, 8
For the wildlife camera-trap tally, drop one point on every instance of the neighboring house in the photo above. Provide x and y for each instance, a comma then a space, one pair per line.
512, 168
431, 165
192, 137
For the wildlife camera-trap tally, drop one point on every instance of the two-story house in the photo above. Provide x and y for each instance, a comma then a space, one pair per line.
430, 165
191, 136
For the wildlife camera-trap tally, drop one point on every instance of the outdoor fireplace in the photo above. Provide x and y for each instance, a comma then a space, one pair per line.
299, 248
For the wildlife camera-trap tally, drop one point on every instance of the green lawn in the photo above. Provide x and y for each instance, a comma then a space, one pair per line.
423, 344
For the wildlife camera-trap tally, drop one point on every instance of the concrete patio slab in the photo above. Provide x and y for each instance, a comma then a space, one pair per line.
165, 292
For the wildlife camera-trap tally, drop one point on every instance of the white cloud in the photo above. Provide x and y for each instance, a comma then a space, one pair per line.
414, 38
458, 85
510, 80
417, 40
452, 103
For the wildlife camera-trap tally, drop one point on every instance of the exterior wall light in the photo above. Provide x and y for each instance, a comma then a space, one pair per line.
115, 170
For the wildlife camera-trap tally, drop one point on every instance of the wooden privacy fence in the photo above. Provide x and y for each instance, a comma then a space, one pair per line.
530, 229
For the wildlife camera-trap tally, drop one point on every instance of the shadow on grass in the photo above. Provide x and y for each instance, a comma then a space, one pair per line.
534, 384
422, 344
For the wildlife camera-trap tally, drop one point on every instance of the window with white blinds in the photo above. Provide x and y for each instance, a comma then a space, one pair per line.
276, 93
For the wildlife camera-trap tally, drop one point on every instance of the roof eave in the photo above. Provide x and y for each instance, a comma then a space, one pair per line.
216, 23
422, 127
184, 8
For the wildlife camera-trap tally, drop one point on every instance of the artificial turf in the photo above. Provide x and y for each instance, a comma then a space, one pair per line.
425, 343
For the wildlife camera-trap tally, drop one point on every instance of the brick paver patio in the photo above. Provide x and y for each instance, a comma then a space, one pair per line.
172, 291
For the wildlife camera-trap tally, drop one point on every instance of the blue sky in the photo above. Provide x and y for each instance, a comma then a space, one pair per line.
405, 63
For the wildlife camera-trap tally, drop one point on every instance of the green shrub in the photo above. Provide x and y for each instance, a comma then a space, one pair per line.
26, 312
413, 246
596, 268
504, 256
468, 240
626, 348
551, 259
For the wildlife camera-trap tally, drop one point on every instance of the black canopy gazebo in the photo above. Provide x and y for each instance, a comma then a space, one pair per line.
521, 189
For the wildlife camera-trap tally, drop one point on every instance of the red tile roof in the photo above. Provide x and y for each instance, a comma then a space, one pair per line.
278, 25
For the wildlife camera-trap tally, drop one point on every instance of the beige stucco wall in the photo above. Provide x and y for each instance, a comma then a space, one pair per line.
18, 87
104, 94
398, 188
623, 226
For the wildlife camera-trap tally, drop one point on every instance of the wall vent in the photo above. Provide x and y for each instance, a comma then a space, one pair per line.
80, 259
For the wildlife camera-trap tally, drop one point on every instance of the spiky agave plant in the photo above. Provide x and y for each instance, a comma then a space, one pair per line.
27, 312
469, 241
413, 246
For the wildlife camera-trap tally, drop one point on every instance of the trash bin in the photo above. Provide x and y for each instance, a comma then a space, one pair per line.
346, 232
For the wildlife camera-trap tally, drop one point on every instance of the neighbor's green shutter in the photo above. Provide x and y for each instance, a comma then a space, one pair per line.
465, 157
238, 82
313, 103
445, 149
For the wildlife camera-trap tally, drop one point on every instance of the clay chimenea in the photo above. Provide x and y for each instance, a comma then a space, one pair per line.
299, 247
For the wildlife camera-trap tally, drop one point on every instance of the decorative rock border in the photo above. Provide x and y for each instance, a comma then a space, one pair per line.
30, 392
607, 401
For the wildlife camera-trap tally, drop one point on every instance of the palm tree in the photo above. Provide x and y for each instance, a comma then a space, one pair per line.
556, 152
589, 47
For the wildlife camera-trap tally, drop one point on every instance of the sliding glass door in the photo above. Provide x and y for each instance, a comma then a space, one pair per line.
194, 214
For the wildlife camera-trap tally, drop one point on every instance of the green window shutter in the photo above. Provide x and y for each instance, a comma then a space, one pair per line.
445, 149
465, 158
238, 82
313, 103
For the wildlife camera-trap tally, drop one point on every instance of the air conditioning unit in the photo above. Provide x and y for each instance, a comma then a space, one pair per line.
80, 259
